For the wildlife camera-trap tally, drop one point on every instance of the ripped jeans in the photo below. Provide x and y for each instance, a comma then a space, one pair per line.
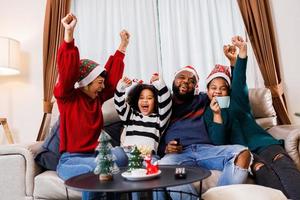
281, 174
210, 157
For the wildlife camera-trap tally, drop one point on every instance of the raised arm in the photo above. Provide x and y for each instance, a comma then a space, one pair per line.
122, 107
164, 101
69, 22
239, 89
124, 41
115, 67
230, 52
67, 60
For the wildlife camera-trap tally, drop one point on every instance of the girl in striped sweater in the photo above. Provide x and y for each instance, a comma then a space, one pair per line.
145, 114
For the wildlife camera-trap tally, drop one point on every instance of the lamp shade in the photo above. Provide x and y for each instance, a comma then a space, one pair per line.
9, 56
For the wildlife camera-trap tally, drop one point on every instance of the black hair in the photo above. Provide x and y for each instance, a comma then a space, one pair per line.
134, 95
103, 74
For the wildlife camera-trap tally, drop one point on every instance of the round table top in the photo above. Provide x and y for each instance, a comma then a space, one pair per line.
91, 182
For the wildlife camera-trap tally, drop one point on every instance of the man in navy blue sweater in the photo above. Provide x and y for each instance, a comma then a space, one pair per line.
195, 147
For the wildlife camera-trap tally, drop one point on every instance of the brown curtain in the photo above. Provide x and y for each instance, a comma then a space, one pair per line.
259, 25
53, 36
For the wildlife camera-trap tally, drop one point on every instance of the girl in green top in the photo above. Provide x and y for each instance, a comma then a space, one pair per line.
272, 166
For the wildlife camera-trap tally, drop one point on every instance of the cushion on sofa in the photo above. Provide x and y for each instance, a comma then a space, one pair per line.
48, 185
264, 113
48, 155
244, 192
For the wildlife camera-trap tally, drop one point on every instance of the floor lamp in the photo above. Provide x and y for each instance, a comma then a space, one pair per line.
9, 65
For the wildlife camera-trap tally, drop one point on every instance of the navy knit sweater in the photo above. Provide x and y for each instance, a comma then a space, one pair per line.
187, 122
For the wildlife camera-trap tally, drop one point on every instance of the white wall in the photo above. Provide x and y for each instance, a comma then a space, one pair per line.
287, 24
21, 96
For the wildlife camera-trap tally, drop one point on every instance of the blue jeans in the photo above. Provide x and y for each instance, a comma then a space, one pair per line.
210, 157
73, 164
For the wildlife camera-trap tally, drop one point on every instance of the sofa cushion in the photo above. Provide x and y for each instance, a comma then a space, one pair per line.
110, 114
48, 185
262, 107
48, 155
243, 191
212, 181
114, 130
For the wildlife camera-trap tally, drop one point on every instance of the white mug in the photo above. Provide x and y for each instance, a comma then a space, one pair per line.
223, 101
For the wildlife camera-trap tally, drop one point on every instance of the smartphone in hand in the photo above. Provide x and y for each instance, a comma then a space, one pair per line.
178, 141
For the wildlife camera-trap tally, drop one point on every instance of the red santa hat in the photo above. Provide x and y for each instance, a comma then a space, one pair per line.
219, 71
89, 71
189, 69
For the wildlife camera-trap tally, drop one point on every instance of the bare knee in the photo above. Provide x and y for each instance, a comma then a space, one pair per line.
280, 155
243, 159
256, 166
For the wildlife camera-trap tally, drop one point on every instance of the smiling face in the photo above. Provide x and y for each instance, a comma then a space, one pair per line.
95, 87
146, 102
184, 85
217, 87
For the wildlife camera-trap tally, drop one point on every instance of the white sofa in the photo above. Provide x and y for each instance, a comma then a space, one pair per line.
21, 178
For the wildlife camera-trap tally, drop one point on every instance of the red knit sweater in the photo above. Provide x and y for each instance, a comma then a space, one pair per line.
81, 118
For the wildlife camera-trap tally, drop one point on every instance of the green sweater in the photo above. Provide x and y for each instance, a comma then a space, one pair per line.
239, 125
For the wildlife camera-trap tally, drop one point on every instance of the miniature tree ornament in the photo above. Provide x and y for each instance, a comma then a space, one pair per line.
105, 161
135, 160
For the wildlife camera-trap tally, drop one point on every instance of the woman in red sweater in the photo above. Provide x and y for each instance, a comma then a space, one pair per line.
82, 88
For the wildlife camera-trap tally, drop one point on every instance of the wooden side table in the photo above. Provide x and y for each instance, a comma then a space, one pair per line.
9, 137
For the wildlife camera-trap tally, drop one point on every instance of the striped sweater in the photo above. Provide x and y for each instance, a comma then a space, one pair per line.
144, 131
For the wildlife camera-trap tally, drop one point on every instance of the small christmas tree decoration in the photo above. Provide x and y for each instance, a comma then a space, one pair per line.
105, 161
135, 160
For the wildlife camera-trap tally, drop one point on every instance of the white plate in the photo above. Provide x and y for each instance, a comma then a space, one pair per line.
129, 176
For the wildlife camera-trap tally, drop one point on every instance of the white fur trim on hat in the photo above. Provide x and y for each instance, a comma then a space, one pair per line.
216, 75
189, 69
90, 77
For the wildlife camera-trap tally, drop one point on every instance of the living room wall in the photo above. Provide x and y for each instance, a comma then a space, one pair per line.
287, 24
21, 96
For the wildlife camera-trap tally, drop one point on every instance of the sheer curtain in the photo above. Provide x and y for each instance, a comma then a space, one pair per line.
99, 24
166, 34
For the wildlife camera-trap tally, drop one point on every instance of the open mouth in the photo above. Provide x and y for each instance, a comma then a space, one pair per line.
183, 89
144, 108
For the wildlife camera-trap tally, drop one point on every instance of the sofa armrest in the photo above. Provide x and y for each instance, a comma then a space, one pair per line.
291, 136
18, 169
